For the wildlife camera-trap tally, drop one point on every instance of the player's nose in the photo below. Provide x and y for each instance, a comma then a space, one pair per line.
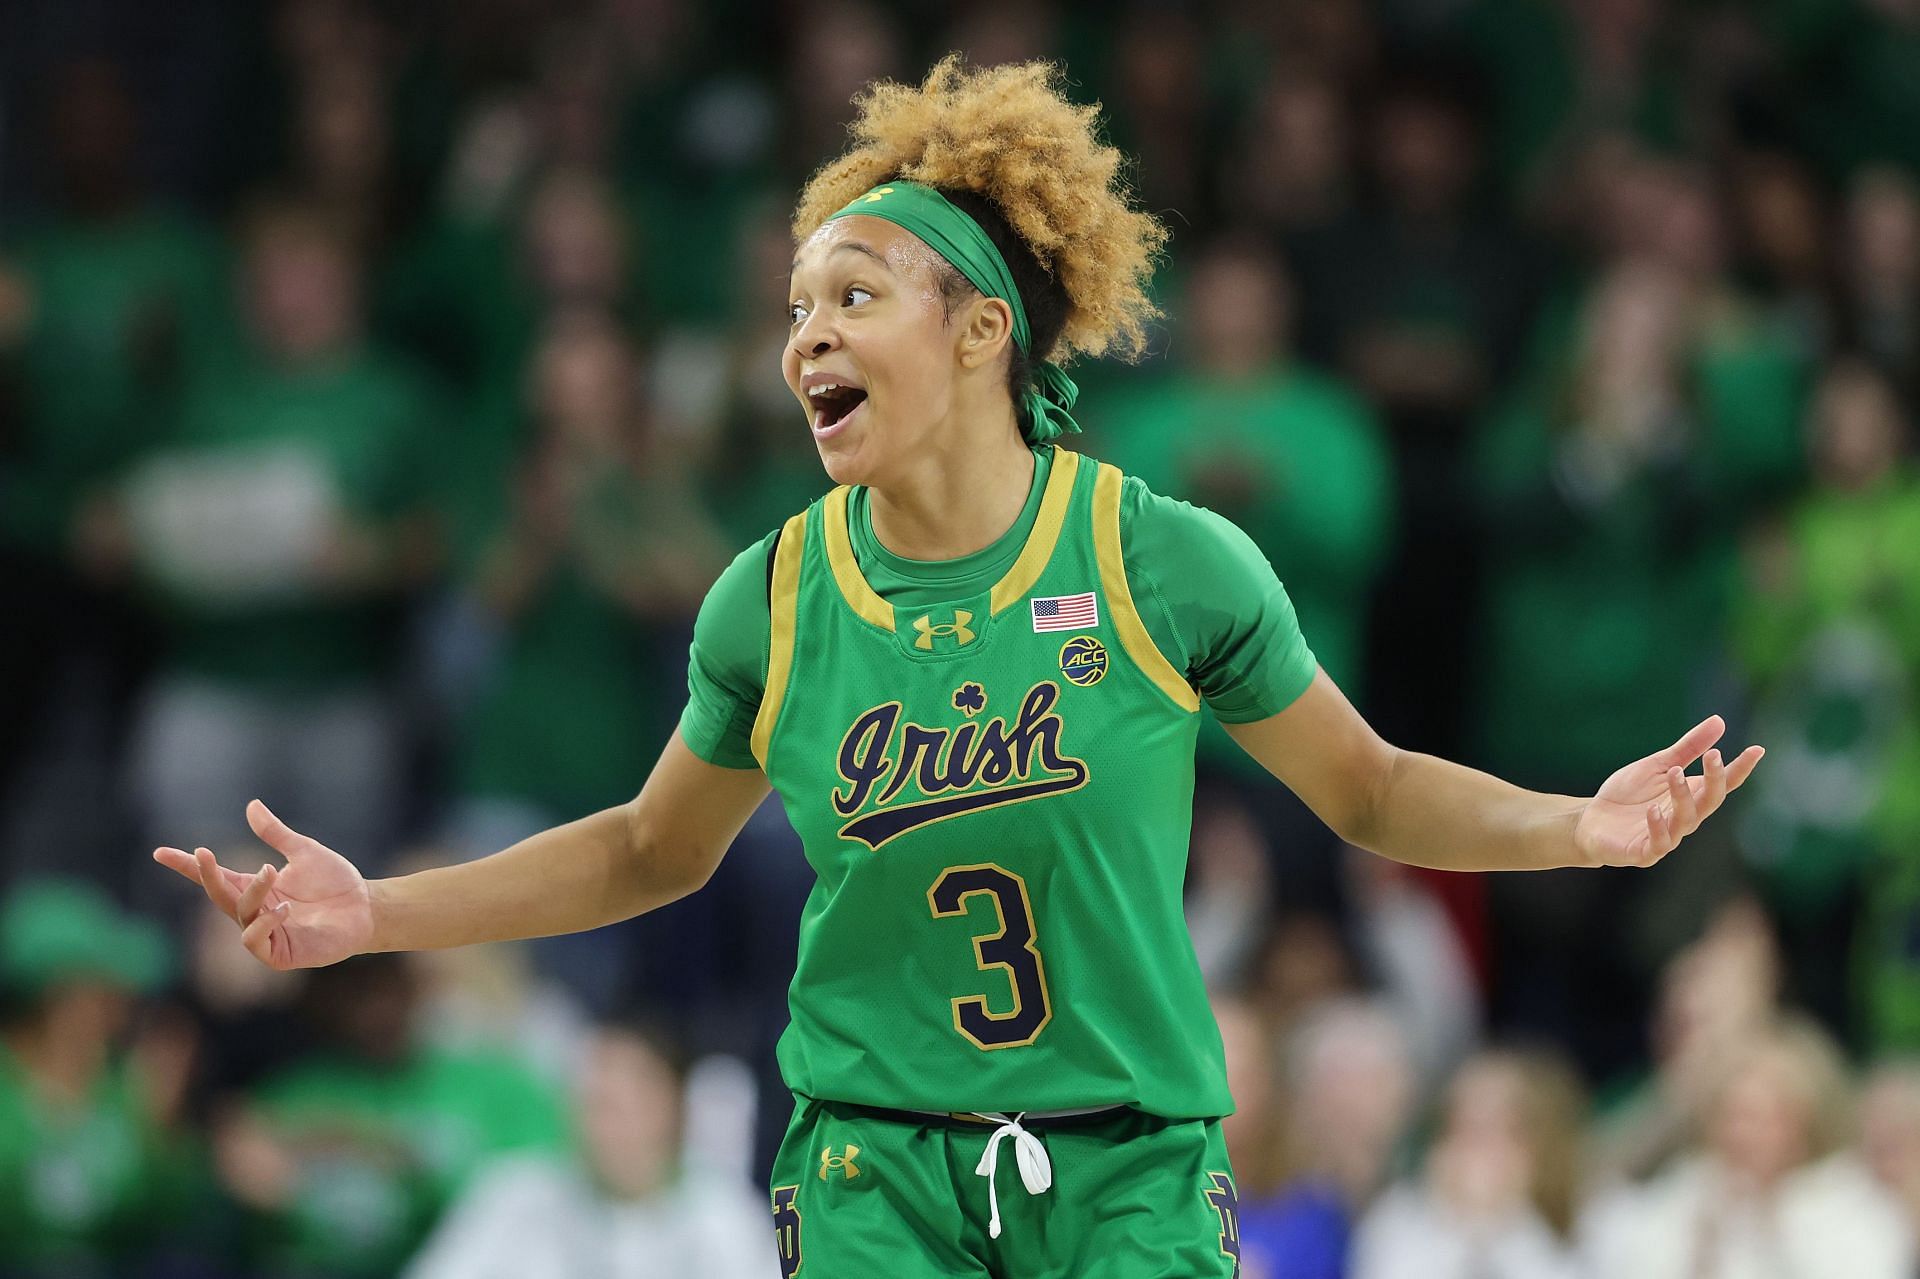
814, 337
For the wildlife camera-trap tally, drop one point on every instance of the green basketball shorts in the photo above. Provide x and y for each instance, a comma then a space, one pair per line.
881, 1194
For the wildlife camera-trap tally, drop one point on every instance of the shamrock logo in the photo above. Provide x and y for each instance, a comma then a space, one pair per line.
970, 699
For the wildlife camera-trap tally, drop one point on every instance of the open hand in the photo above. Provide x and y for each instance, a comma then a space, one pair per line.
314, 912
1643, 811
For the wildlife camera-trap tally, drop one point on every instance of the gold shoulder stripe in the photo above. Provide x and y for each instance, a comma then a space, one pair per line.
784, 604
860, 597
1113, 584
1046, 533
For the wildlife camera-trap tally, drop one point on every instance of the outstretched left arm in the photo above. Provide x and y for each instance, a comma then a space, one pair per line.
1430, 812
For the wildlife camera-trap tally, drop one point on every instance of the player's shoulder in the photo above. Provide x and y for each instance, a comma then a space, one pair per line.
1158, 531
740, 592
745, 585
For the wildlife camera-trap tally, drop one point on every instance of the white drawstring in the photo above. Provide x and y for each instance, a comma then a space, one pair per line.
1036, 1170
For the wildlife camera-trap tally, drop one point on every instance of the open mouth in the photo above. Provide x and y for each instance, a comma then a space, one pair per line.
832, 406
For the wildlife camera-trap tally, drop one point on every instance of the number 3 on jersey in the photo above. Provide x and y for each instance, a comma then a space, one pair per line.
1014, 948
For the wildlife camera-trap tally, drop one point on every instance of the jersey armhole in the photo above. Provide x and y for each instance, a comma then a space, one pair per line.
783, 603
773, 551
1134, 636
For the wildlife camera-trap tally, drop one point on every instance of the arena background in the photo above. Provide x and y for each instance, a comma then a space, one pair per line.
381, 386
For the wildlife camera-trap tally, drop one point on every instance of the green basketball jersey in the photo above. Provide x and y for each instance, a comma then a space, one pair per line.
995, 794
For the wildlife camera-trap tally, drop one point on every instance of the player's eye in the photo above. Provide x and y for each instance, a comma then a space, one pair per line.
854, 296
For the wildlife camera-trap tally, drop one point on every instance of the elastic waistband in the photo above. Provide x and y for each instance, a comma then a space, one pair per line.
975, 1119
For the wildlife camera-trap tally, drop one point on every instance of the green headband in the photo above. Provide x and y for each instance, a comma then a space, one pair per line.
948, 231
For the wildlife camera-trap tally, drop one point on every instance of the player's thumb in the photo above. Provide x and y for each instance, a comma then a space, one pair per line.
278, 835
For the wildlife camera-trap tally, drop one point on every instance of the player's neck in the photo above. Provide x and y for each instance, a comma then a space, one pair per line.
957, 500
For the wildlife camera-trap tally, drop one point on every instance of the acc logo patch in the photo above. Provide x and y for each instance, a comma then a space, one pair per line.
1083, 660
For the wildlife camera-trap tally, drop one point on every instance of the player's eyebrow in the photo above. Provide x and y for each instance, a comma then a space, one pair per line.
853, 246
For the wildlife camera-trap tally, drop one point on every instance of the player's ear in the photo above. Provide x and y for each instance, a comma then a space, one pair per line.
986, 328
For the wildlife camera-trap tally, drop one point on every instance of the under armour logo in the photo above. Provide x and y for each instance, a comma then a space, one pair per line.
830, 1162
956, 628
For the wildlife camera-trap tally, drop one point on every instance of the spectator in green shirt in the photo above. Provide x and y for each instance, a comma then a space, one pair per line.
108, 301
1611, 486
1288, 453
1418, 296
1827, 631
346, 1158
634, 1203
589, 575
114, 300
599, 553
91, 1164
1296, 460
472, 296
280, 529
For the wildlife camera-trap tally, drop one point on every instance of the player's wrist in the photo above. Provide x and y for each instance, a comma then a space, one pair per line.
1580, 851
382, 913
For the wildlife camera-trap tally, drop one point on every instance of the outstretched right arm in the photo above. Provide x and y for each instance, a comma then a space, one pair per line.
612, 865
615, 864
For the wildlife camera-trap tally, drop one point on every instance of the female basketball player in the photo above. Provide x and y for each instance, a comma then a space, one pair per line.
973, 672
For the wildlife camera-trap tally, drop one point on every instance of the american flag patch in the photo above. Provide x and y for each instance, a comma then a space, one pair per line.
1065, 612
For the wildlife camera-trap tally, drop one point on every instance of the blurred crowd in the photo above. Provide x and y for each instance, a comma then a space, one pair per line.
382, 385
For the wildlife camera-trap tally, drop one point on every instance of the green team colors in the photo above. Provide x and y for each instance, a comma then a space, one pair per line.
1134, 1197
1206, 593
990, 761
997, 810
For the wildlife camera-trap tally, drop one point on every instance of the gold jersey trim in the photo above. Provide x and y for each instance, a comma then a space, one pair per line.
1013, 584
784, 604
860, 597
1134, 636
1026, 570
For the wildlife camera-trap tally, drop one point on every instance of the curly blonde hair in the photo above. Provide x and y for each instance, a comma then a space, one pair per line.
1008, 134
